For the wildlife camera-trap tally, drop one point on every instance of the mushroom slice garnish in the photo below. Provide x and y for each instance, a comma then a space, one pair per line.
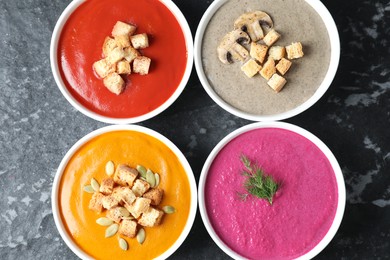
230, 48
252, 23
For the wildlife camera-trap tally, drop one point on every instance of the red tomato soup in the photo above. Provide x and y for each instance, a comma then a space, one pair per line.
81, 42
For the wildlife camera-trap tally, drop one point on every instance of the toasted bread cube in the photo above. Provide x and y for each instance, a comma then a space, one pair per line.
121, 28
123, 41
109, 202
115, 214
124, 194
103, 68
268, 69
95, 203
125, 175
258, 51
116, 55
140, 41
155, 195
140, 205
141, 65
107, 186
277, 52
151, 218
294, 50
250, 68
108, 45
128, 228
140, 187
114, 83
123, 67
283, 66
130, 53
277, 82
271, 37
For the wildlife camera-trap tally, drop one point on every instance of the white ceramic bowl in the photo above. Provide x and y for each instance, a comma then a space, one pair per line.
300, 131
333, 65
111, 120
57, 179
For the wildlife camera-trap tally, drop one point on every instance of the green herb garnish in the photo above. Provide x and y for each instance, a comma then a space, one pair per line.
257, 183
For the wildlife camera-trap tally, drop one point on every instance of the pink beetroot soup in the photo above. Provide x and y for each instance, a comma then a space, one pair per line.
303, 209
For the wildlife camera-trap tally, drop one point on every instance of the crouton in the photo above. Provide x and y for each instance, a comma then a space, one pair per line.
125, 175
258, 51
140, 41
122, 41
294, 50
151, 218
141, 205
103, 68
114, 83
141, 65
121, 28
107, 186
130, 53
250, 68
283, 66
271, 37
277, 52
95, 203
155, 195
128, 228
116, 55
109, 202
115, 214
108, 45
123, 67
124, 194
277, 82
140, 187
268, 69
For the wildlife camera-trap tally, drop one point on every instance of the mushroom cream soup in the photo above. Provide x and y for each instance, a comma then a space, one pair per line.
296, 21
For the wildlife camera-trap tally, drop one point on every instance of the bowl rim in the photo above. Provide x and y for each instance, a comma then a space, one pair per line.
55, 68
334, 40
113, 128
302, 132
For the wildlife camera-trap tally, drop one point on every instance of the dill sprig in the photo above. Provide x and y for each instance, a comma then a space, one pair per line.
257, 182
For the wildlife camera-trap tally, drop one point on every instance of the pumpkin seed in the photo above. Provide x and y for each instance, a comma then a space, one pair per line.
95, 185
124, 212
110, 168
142, 170
169, 209
141, 235
111, 230
157, 177
129, 217
88, 188
150, 178
104, 221
123, 244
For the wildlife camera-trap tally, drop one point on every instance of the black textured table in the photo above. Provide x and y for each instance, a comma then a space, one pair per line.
38, 126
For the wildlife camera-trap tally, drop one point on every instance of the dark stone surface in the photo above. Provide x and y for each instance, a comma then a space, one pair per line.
38, 126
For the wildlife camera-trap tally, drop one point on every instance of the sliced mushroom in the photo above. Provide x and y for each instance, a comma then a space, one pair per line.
252, 22
230, 48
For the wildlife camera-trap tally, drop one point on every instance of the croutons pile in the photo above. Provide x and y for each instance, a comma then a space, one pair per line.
263, 57
130, 200
120, 54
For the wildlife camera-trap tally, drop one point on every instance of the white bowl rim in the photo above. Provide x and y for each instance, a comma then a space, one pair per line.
296, 129
111, 120
334, 39
113, 128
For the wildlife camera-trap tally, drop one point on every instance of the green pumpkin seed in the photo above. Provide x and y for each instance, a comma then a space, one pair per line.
142, 170
157, 177
141, 235
111, 230
104, 221
150, 178
95, 185
110, 168
123, 244
124, 212
88, 188
169, 209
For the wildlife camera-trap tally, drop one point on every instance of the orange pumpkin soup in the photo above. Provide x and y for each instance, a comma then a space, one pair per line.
131, 148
